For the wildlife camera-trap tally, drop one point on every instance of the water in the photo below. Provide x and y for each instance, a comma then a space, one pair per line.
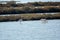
30, 30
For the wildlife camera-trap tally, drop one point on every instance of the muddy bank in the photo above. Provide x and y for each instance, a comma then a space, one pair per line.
31, 4
26, 17
24, 10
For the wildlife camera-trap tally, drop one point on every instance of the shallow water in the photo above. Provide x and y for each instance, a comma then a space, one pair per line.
30, 30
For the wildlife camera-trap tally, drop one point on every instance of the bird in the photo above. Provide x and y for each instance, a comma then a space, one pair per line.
44, 20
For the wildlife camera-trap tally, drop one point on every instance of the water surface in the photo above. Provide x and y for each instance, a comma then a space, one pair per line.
30, 30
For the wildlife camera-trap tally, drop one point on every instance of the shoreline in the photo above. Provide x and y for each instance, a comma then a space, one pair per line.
25, 20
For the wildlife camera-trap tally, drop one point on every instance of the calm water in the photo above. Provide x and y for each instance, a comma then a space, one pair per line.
30, 30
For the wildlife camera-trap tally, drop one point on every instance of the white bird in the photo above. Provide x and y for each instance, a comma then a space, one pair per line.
44, 20
20, 20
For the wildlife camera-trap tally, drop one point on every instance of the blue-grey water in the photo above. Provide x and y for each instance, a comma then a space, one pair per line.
30, 30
